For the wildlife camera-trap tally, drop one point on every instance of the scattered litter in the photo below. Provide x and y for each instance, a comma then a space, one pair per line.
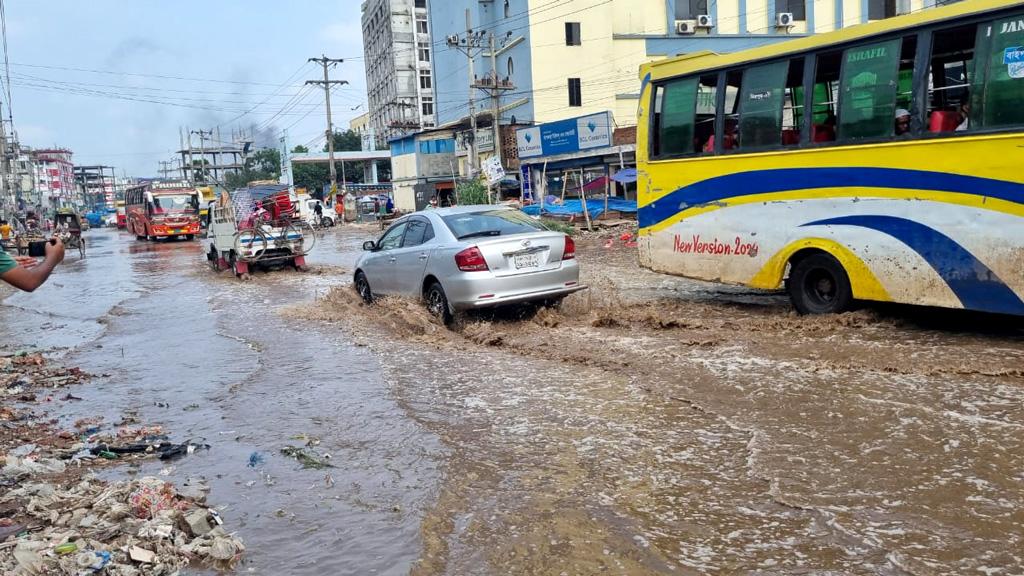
70, 396
191, 407
308, 458
176, 451
256, 459
160, 543
141, 555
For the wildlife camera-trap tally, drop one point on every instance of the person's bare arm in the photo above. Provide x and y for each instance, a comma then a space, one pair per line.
28, 279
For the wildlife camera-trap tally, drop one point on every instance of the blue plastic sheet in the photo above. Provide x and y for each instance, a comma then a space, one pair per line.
575, 207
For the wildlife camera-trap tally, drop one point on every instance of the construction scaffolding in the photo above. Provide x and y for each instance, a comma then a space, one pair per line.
214, 157
98, 184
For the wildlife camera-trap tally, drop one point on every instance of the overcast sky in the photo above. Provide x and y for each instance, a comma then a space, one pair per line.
252, 52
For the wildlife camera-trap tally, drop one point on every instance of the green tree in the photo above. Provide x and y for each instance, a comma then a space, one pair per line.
472, 192
314, 177
264, 164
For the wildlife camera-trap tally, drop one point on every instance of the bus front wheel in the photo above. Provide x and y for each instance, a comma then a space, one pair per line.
818, 284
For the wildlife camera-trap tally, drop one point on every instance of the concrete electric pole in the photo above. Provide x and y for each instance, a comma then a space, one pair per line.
470, 45
327, 63
202, 152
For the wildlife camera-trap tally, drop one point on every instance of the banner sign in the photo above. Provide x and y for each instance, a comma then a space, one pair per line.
565, 136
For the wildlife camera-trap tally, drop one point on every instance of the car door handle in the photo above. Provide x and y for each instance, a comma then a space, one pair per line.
392, 259
423, 256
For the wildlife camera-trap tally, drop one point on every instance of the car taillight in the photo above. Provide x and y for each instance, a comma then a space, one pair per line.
470, 260
570, 249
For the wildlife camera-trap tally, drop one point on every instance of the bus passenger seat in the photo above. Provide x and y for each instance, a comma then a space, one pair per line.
823, 133
790, 136
943, 121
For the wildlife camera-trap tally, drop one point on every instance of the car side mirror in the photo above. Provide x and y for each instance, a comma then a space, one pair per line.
369, 245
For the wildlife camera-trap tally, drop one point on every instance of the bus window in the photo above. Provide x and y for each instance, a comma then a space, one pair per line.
707, 103
999, 74
905, 76
673, 128
733, 83
826, 94
761, 99
792, 110
867, 102
952, 55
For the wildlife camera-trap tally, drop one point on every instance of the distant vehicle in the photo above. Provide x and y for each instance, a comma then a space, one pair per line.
257, 227
68, 226
879, 162
122, 215
162, 210
306, 207
469, 257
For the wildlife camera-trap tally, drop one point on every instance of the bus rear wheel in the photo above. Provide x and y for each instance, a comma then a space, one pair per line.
818, 284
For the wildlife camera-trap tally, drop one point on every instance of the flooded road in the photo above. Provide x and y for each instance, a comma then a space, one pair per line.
653, 425
211, 360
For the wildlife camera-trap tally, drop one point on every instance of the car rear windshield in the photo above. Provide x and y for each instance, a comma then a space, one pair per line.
491, 223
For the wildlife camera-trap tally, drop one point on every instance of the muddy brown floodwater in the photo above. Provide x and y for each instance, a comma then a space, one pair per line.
652, 425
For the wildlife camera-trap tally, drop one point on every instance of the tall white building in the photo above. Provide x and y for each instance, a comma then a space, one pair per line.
398, 51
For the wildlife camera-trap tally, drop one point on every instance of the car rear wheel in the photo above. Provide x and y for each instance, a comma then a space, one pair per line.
818, 284
363, 288
437, 303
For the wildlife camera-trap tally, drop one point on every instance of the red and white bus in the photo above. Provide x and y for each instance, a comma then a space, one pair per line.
162, 210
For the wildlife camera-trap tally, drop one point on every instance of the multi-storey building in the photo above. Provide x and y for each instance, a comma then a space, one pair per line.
397, 52
576, 57
55, 179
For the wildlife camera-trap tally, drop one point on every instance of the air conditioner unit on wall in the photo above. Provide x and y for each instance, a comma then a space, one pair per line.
784, 20
705, 21
686, 26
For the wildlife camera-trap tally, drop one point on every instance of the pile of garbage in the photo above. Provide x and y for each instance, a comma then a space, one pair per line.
23, 373
130, 528
56, 517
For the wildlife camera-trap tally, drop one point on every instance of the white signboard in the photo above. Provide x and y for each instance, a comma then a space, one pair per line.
493, 170
484, 142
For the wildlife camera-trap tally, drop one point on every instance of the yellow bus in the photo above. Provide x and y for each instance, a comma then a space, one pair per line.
881, 162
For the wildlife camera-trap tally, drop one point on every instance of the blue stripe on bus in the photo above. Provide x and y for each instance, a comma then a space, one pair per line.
974, 283
721, 188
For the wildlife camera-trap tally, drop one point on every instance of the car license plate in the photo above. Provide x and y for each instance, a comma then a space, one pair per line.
178, 231
526, 261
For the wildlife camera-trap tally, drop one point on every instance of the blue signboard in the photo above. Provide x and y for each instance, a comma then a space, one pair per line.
565, 136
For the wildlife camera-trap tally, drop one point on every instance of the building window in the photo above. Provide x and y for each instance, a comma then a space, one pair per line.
881, 9
690, 9
572, 34
421, 3
798, 8
428, 106
575, 92
511, 67
421, 26
425, 82
424, 52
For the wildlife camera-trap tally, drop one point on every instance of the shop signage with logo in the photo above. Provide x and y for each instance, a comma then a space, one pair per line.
566, 136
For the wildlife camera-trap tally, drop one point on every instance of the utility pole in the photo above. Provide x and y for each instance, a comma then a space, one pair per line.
202, 151
470, 46
327, 63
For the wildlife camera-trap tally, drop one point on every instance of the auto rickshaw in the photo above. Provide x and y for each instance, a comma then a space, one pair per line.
68, 227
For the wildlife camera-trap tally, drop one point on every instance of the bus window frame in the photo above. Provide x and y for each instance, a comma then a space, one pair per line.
924, 34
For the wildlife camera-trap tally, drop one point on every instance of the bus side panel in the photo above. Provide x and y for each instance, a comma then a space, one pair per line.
905, 225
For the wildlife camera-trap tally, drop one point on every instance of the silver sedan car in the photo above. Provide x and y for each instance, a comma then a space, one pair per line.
469, 257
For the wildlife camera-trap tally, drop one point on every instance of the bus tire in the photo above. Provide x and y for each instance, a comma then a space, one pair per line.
818, 284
